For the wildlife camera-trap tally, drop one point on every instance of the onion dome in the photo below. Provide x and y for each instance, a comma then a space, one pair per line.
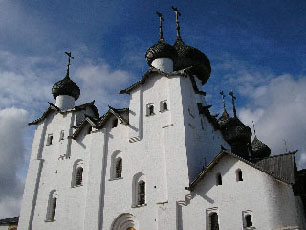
160, 50
191, 57
224, 119
66, 86
260, 150
234, 130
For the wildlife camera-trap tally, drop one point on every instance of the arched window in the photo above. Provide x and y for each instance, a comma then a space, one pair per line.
141, 193
139, 190
115, 123
79, 176
239, 175
218, 179
118, 167
213, 221
248, 220
77, 173
51, 206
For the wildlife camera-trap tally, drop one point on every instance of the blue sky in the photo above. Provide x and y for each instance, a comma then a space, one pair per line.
256, 48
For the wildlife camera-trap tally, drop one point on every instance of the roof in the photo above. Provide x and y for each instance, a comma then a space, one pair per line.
13, 220
99, 123
54, 108
280, 167
184, 72
211, 118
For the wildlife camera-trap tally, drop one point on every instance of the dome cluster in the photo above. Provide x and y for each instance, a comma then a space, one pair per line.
182, 55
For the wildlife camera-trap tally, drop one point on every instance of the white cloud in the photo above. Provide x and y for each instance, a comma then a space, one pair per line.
13, 122
100, 82
278, 109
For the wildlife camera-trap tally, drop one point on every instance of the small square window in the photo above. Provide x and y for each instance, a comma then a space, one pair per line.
163, 106
62, 135
150, 110
50, 139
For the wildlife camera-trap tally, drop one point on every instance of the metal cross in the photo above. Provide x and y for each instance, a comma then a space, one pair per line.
231, 93
177, 14
223, 97
69, 58
161, 19
254, 128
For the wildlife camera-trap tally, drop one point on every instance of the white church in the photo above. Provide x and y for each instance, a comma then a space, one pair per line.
163, 163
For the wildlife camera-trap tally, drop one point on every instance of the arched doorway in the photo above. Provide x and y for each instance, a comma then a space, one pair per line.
125, 221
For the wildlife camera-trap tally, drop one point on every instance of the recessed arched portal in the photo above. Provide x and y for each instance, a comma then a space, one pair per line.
125, 221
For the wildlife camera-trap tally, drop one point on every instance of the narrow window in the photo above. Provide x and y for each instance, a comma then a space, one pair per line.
79, 176
239, 175
151, 110
51, 206
50, 139
118, 167
213, 221
141, 193
219, 179
165, 106
115, 123
89, 130
62, 135
248, 221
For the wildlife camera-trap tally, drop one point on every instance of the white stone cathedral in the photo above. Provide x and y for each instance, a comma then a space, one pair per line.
163, 163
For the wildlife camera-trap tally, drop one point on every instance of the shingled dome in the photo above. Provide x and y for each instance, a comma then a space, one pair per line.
160, 50
260, 150
191, 57
66, 87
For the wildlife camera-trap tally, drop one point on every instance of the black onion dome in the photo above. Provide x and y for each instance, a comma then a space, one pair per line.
260, 150
160, 50
234, 130
224, 119
66, 87
191, 57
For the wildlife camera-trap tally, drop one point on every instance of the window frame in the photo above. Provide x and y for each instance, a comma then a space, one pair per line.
239, 175
209, 213
219, 179
50, 139
51, 209
150, 112
162, 106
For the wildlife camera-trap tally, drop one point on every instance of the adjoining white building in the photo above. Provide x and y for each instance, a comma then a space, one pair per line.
162, 163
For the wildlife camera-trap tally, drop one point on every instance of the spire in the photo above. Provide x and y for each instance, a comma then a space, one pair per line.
223, 100
231, 93
161, 19
177, 14
68, 65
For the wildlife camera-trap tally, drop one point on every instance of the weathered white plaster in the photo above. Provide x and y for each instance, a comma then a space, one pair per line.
65, 102
163, 64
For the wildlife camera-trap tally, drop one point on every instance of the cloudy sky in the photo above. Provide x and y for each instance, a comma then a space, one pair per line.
256, 48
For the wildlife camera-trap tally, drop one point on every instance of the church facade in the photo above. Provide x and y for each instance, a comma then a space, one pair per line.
165, 162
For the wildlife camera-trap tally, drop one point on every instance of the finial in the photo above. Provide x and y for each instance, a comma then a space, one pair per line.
177, 14
231, 93
254, 128
285, 145
161, 19
223, 97
69, 58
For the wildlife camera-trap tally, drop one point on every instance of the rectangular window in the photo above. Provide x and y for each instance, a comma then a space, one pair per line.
164, 106
50, 139
150, 109
62, 135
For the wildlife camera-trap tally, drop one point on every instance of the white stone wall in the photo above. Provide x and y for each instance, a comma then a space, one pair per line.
167, 149
271, 203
